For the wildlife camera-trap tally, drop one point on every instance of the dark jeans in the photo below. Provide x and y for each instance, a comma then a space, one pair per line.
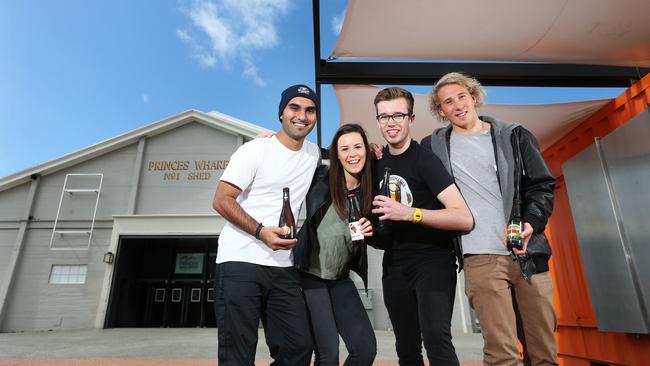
335, 308
246, 292
419, 295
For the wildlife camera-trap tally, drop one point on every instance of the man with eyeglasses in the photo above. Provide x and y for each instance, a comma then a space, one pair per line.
419, 278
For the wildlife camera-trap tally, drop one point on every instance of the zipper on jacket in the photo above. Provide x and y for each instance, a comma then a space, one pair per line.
496, 156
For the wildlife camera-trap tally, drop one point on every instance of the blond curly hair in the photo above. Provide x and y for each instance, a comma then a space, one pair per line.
472, 85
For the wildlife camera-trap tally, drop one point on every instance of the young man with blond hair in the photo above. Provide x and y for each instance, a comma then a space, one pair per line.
482, 154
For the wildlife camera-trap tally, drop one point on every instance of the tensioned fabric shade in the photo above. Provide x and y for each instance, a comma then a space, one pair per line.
599, 32
548, 122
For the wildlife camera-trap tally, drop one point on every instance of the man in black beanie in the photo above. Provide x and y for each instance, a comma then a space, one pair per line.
255, 277
291, 92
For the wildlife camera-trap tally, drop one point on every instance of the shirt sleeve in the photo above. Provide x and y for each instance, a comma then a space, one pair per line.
243, 165
434, 173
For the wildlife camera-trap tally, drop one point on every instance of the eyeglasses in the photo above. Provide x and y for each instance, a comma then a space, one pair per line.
397, 117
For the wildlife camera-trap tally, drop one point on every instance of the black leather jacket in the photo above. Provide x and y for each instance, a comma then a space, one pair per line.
537, 185
318, 202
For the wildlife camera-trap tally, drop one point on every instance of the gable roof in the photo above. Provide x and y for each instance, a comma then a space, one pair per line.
213, 119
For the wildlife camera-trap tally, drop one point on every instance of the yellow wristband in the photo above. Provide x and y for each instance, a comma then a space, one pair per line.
417, 216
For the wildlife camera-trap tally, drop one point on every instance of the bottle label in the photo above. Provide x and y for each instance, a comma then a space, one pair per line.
288, 232
355, 231
395, 192
513, 231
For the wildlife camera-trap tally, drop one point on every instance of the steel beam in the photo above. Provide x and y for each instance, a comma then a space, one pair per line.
489, 73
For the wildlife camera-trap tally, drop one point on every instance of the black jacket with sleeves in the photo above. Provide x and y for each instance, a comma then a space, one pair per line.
536, 188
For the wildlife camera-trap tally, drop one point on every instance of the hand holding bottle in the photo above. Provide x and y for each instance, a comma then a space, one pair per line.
283, 236
384, 191
526, 233
354, 220
360, 227
272, 237
389, 209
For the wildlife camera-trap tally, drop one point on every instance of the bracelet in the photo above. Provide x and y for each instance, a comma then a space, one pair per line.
258, 230
417, 216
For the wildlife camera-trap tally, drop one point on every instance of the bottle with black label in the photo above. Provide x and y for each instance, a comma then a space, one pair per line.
353, 220
287, 221
514, 229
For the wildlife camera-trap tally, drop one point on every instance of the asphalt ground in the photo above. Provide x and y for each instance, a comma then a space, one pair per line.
165, 346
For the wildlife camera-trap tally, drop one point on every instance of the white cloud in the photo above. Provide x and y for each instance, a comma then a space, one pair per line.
250, 71
226, 33
200, 53
183, 35
337, 22
145, 97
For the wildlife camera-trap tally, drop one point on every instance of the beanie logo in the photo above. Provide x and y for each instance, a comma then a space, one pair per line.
303, 90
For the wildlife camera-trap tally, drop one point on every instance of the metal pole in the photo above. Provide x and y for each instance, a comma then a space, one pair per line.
316, 22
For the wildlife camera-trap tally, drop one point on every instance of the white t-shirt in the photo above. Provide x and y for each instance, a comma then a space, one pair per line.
261, 168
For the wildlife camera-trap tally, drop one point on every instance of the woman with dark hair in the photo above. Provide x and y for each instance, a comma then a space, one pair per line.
325, 252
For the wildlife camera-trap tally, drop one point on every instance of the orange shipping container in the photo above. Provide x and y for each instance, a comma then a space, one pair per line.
579, 341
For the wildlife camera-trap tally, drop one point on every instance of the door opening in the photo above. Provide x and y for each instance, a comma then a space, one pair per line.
163, 282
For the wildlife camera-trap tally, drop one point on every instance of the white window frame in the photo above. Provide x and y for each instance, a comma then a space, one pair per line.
68, 274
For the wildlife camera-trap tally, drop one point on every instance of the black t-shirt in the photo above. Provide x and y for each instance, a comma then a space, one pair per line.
417, 177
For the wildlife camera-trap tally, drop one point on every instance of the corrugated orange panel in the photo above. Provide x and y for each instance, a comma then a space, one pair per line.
573, 301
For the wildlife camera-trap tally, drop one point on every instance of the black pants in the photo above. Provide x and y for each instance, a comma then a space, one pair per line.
419, 295
335, 308
246, 292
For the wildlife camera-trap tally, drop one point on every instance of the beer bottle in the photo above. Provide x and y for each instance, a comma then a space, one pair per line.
287, 221
514, 229
384, 191
353, 220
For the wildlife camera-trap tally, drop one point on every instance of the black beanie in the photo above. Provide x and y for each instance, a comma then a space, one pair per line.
296, 91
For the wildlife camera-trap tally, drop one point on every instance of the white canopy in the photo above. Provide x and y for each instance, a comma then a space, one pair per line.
599, 32
548, 122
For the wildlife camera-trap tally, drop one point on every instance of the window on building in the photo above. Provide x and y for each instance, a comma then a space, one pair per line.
68, 274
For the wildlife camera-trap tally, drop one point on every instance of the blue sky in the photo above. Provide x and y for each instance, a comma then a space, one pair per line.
77, 72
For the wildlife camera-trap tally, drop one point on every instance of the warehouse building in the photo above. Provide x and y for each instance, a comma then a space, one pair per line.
119, 234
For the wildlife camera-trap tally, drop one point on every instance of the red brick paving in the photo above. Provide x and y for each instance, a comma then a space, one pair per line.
153, 362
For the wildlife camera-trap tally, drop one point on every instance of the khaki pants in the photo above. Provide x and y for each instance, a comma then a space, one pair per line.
503, 302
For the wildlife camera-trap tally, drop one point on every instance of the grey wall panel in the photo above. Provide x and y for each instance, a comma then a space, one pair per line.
380, 318
7, 244
13, 201
181, 169
117, 167
37, 305
609, 278
627, 153
47, 196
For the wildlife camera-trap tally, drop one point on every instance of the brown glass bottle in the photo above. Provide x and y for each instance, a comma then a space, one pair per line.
353, 220
384, 191
514, 229
287, 221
